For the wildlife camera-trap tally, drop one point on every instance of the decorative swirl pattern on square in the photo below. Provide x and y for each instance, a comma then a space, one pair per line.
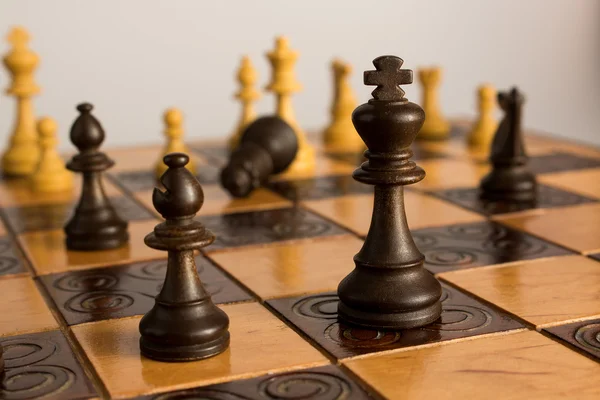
36, 382
321, 307
589, 336
99, 302
462, 316
305, 385
41, 365
126, 290
361, 338
201, 394
478, 244
267, 226
23, 352
88, 281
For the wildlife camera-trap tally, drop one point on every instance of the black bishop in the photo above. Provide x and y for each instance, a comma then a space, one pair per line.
184, 324
95, 224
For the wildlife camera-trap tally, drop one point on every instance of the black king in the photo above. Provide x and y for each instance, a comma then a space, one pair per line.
389, 288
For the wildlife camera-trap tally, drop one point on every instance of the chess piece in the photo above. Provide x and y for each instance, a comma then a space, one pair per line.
23, 153
268, 146
483, 130
436, 127
174, 132
50, 175
283, 84
509, 180
247, 95
184, 324
389, 288
340, 134
94, 225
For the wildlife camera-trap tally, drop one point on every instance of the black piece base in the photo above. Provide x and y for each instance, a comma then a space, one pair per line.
94, 242
394, 321
171, 353
514, 184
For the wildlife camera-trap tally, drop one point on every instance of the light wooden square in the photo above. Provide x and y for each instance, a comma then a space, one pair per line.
542, 292
456, 147
354, 212
576, 227
130, 158
218, 201
524, 365
48, 253
448, 173
22, 309
307, 266
585, 182
260, 344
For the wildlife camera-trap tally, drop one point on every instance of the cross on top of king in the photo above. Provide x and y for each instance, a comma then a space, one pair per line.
387, 77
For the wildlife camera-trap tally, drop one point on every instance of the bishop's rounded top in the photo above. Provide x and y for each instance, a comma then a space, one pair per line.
85, 107
183, 196
86, 133
176, 160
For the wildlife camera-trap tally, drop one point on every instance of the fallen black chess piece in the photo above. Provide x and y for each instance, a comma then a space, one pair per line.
267, 147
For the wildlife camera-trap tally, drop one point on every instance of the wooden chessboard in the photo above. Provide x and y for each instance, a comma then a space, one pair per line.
521, 287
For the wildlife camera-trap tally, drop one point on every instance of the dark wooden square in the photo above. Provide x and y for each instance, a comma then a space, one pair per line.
319, 188
42, 365
127, 290
548, 197
320, 383
462, 317
55, 216
559, 161
584, 335
462, 246
268, 226
138, 181
11, 259
217, 153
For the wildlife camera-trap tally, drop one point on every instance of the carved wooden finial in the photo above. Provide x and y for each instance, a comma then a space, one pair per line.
387, 77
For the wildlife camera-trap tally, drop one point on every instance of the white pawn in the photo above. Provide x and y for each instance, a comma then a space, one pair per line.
50, 175
484, 129
173, 119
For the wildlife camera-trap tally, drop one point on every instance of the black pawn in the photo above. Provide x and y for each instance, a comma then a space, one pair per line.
389, 288
94, 225
509, 180
184, 324
268, 146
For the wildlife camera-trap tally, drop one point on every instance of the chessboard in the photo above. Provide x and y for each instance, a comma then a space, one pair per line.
521, 305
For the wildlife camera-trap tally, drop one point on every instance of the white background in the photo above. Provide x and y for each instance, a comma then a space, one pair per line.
134, 58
